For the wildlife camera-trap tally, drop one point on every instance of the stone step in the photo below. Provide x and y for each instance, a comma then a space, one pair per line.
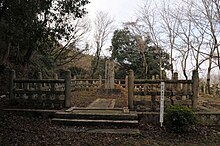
89, 122
124, 131
78, 129
96, 115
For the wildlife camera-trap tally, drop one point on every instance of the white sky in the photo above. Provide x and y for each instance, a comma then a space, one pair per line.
120, 10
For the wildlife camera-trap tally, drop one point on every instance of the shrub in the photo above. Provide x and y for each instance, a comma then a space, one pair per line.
180, 118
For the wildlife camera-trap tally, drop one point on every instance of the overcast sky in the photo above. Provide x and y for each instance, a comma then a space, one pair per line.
120, 10
124, 10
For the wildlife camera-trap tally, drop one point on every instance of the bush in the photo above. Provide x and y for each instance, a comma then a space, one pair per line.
180, 119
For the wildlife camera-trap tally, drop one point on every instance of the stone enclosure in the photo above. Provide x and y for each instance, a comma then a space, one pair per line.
142, 94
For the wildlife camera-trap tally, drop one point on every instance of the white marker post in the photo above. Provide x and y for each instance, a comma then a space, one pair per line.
162, 87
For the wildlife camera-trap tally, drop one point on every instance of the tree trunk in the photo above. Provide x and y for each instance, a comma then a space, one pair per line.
6, 55
145, 66
27, 57
183, 63
208, 90
97, 59
95, 66
171, 63
218, 56
185, 75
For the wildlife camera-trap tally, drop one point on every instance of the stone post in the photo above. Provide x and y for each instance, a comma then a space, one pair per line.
100, 81
176, 85
11, 84
195, 88
39, 85
126, 82
109, 75
68, 89
56, 76
57, 86
74, 81
175, 76
204, 86
130, 89
153, 77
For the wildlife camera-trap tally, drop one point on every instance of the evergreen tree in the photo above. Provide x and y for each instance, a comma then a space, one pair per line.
30, 26
128, 55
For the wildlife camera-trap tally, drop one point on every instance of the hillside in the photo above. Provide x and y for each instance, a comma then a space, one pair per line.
84, 62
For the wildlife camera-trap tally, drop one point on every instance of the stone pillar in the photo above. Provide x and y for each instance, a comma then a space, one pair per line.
131, 89
39, 85
153, 77
204, 86
126, 82
176, 85
100, 81
11, 84
68, 89
175, 76
153, 103
56, 76
195, 88
109, 75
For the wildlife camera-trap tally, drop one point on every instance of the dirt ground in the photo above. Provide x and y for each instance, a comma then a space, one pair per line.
19, 129
209, 103
206, 103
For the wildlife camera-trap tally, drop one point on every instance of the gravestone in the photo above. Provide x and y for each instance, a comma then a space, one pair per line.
109, 75
109, 88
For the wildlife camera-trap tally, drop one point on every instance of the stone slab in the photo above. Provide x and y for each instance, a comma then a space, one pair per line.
102, 103
116, 131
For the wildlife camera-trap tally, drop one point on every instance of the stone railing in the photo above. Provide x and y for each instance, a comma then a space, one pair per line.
86, 84
186, 90
40, 93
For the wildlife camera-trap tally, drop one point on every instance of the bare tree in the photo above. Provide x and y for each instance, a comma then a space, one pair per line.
189, 30
142, 39
75, 45
210, 14
204, 33
190, 36
170, 27
103, 27
217, 6
148, 18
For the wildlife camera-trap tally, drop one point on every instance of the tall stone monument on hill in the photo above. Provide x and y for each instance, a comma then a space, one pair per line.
109, 75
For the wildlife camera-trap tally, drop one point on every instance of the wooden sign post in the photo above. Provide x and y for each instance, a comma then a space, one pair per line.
162, 88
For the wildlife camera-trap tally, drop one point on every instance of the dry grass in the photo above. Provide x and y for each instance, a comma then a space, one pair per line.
84, 98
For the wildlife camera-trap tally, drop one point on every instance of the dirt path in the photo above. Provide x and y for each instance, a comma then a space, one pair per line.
209, 104
102, 103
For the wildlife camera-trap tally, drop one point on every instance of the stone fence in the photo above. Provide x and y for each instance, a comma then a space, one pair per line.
57, 92
87, 84
40, 93
186, 90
